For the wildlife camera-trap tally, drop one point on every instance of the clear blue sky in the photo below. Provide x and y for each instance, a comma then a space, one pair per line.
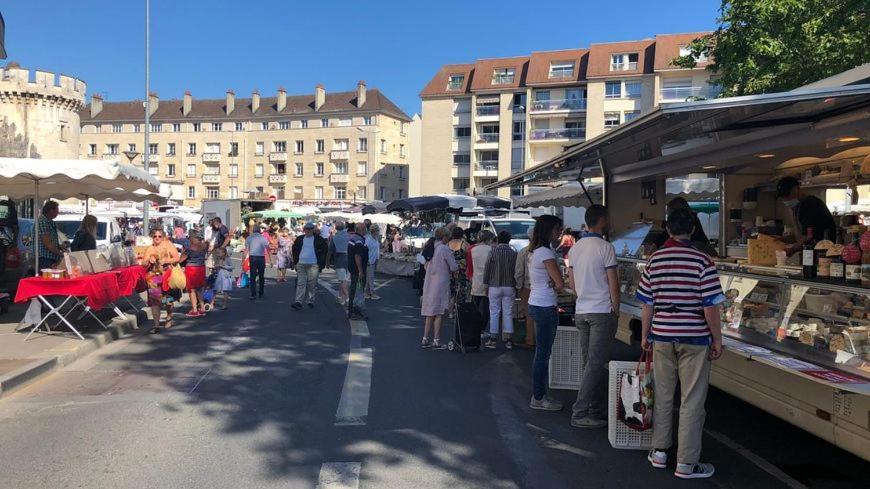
209, 46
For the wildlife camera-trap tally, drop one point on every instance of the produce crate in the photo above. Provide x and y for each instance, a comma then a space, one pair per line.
619, 434
565, 363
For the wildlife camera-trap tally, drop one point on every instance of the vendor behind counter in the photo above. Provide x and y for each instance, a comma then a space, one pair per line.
807, 211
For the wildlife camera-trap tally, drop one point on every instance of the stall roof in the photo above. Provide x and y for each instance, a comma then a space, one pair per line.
719, 134
432, 202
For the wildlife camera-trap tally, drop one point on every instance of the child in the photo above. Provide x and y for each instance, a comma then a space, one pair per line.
223, 282
157, 298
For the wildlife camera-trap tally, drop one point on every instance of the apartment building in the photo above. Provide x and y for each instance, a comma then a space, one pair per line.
484, 121
317, 149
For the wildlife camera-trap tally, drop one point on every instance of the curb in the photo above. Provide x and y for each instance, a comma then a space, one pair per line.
41, 367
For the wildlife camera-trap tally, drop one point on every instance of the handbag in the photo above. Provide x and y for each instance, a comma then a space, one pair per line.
635, 404
177, 279
243, 280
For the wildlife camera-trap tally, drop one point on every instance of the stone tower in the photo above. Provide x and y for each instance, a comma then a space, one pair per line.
39, 113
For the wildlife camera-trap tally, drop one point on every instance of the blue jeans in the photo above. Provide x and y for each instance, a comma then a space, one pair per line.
546, 321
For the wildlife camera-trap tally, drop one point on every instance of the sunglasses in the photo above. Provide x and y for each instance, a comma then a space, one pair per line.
157, 236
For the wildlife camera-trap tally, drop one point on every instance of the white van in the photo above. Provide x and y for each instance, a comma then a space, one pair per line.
107, 228
519, 227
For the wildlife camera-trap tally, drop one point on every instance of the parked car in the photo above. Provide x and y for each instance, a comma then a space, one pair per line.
108, 230
519, 227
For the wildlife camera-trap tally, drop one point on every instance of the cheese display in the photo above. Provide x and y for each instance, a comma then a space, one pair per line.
762, 250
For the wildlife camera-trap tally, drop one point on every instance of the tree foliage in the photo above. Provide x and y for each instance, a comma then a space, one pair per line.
777, 45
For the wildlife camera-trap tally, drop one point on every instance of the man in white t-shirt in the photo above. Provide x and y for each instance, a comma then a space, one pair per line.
593, 277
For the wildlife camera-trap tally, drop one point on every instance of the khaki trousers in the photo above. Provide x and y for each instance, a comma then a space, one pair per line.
690, 365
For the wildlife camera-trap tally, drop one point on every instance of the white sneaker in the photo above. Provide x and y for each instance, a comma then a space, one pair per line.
545, 404
694, 471
658, 458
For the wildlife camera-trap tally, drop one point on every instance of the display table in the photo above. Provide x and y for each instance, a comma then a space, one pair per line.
397, 264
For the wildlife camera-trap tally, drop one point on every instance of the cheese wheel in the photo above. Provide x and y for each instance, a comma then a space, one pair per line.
762, 251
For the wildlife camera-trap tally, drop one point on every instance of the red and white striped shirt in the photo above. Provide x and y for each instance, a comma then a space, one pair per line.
679, 282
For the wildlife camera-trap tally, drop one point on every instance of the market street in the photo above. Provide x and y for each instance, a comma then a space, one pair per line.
257, 397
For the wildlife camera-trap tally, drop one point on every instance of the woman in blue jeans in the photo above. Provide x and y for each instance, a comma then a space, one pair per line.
546, 281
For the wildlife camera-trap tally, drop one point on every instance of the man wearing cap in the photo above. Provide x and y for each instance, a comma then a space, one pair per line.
807, 211
309, 255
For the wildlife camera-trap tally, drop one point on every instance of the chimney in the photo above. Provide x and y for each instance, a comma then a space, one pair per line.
188, 103
153, 103
282, 98
319, 96
96, 104
360, 93
255, 101
231, 101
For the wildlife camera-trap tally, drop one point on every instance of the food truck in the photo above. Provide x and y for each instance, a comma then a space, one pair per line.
796, 343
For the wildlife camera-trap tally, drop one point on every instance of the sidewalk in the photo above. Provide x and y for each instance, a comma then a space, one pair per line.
23, 362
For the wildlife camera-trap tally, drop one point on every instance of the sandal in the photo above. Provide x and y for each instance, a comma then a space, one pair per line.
193, 313
167, 324
155, 330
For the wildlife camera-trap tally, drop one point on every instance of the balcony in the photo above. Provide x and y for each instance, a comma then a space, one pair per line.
489, 137
338, 178
487, 110
629, 66
486, 169
558, 105
280, 178
153, 157
557, 134
278, 156
211, 157
339, 155
211, 178
686, 94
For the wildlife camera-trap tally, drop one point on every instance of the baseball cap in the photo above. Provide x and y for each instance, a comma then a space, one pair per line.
308, 225
785, 185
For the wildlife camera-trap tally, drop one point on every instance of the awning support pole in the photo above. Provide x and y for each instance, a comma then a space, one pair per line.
580, 179
36, 212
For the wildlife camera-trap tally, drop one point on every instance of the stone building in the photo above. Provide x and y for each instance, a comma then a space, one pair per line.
39, 113
316, 149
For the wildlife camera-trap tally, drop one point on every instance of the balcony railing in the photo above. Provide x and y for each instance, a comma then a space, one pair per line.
687, 93
281, 178
211, 157
209, 178
564, 133
488, 137
486, 166
278, 156
623, 66
338, 178
558, 104
339, 154
111, 156
487, 110
562, 75
153, 157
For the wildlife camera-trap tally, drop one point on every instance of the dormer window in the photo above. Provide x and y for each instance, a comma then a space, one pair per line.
503, 76
455, 82
561, 70
623, 62
685, 51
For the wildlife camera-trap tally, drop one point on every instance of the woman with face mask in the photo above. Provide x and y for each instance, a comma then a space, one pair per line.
807, 211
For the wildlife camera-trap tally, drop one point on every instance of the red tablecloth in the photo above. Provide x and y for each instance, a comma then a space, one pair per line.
131, 279
99, 289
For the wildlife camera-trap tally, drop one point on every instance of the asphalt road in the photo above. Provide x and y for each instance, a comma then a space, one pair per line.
261, 396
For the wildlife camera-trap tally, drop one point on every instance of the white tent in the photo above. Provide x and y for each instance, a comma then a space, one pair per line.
358, 217
567, 195
26, 177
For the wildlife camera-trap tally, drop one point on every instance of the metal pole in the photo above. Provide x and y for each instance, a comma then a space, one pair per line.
35, 228
146, 206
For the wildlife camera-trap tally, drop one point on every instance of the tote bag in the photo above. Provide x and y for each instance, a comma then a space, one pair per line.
635, 407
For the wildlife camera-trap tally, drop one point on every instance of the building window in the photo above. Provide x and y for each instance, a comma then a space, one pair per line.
212, 170
284, 125
176, 127
197, 127
259, 170
97, 129
383, 193
259, 148
340, 193
630, 115
112, 149
136, 127
234, 192
298, 170
401, 172
170, 170
191, 149
319, 146
92, 149
116, 127
611, 120
362, 168
303, 123
212, 192
613, 89
560, 70
488, 157
633, 88
362, 145
383, 146
170, 149
344, 122
280, 169
623, 61
213, 148
234, 170
454, 82
339, 168
318, 192
517, 159
318, 169
300, 147
519, 131
156, 127
401, 150
461, 132
367, 120
264, 126
131, 147
279, 146
191, 192
217, 126
234, 149
339, 145
503, 76
153, 149
191, 170
297, 191
324, 122
240, 126
685, 51
460, 159
361, 192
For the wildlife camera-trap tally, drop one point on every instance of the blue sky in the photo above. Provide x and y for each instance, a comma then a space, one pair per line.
209, 46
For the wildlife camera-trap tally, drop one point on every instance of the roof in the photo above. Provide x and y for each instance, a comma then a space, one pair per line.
438, 84
856, 76
215, 109
484, 68
539, 66
668, 47
599, 57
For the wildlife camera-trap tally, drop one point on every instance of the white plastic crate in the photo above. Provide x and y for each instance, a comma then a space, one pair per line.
565, 363
619, 434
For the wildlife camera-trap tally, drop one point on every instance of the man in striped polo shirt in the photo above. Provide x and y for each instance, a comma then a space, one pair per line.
681, 294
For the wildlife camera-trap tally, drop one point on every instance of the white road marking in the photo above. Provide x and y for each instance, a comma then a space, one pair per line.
359, 328
199, 381
385, 282
339, 475
353, 407
755, 459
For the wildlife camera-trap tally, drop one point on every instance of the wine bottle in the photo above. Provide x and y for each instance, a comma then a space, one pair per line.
865, 268
808, 256
838, 268
852, 257
823, 263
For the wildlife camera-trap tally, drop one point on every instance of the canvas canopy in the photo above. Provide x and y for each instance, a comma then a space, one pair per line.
567, 195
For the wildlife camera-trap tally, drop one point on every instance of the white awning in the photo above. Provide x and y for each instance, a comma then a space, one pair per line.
693, 188
64, 179
567, 195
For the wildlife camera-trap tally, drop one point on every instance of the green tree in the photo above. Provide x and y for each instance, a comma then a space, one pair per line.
777, 45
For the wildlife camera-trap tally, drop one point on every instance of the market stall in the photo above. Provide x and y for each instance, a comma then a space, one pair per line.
796, 346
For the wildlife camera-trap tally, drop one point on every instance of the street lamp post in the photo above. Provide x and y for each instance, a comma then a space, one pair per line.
146, 206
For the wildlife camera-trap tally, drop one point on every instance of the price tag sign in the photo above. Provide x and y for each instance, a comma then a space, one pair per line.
794, 298
744, 287
758, 297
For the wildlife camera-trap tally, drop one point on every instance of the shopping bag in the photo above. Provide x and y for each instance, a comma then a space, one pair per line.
177, 279
635, 405
243, 280
246, 264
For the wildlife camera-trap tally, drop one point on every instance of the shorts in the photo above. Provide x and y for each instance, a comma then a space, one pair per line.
195, 275
341, 274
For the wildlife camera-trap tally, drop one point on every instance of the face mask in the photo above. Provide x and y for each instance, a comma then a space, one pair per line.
791, 204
